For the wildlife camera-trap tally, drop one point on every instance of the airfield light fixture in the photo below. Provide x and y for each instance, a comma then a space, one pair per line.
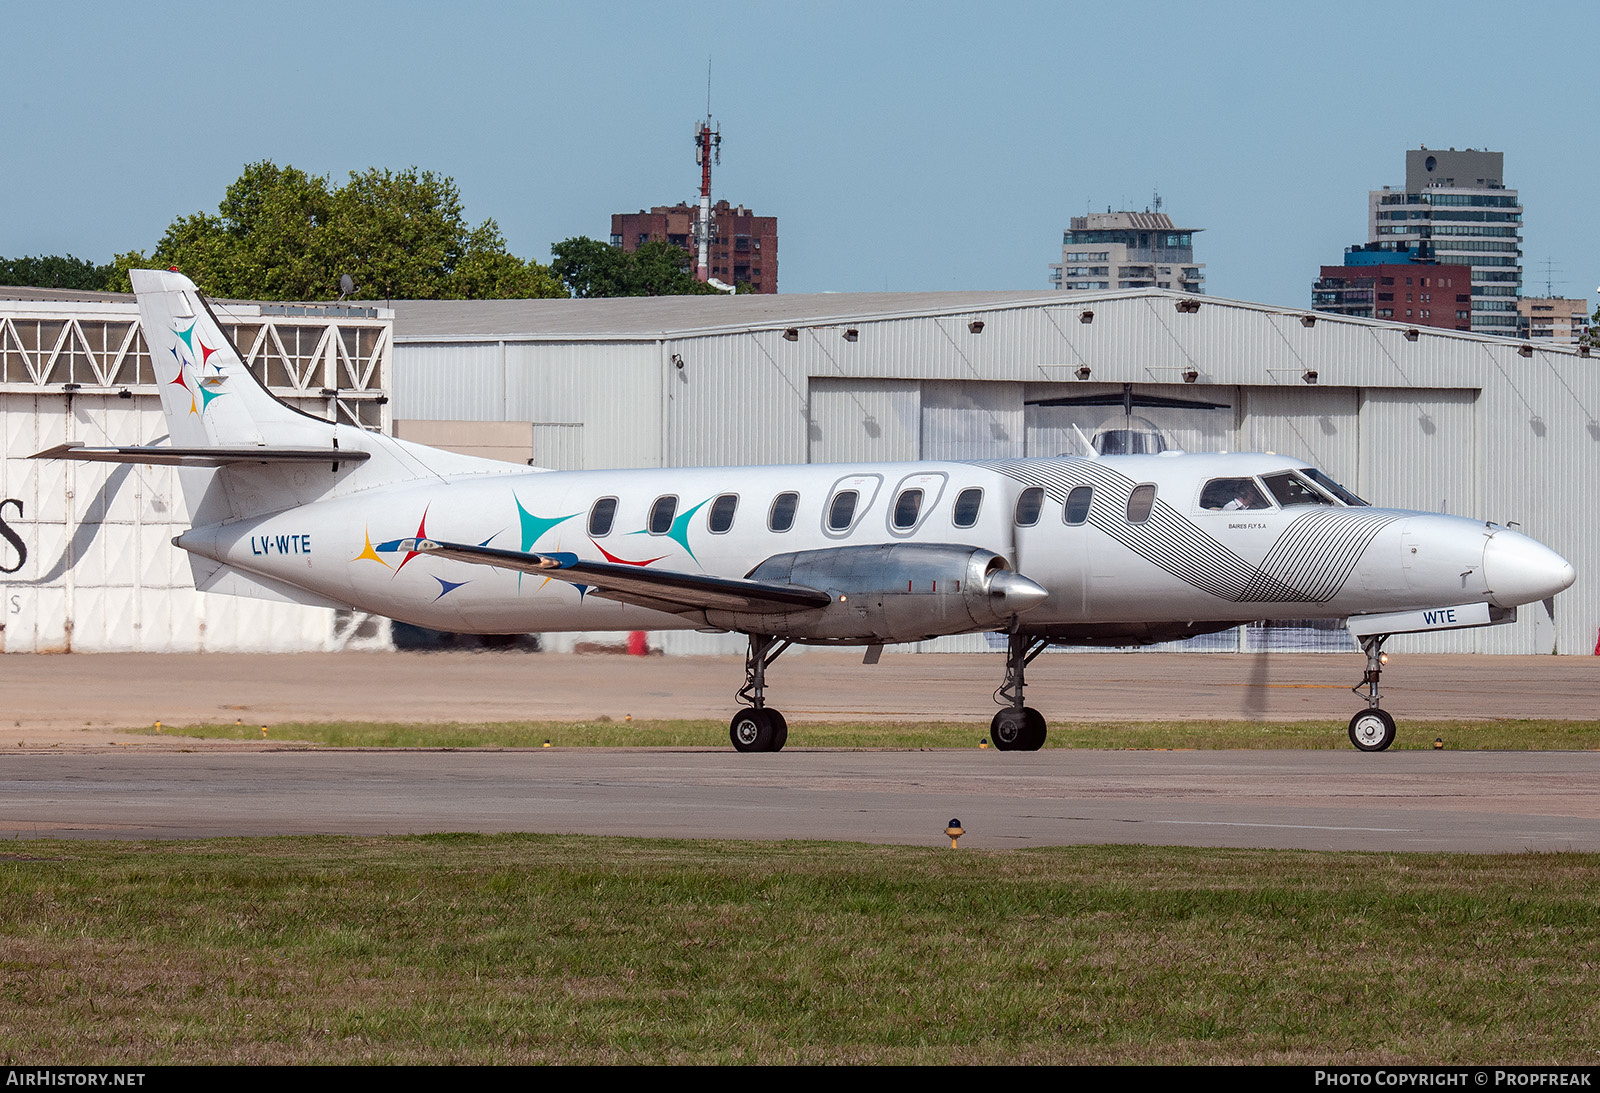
955, 831
1082, 372
975, 326
1187, 307
1411, 334
1524, 350
1086, 316
792, 334
124, 393
1190, 375
1308, 321
851, 334
677, 361
1310, 375
1583, 351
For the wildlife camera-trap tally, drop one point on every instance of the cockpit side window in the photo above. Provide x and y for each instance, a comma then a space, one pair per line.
1290, 489
1232, 495
1331, 486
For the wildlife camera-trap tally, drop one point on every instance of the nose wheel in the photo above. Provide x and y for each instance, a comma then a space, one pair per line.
1372, 729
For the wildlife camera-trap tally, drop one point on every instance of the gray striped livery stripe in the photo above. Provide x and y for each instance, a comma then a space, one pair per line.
1308, 564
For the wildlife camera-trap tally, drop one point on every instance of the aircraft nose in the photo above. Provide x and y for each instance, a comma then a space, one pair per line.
1013, 593
1521, 570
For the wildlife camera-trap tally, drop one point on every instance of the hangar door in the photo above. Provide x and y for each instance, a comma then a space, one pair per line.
854, 420
1419, 450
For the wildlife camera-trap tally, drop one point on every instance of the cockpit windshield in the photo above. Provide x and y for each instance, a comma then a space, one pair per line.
1331, 486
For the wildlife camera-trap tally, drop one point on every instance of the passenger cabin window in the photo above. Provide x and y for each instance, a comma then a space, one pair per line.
968, 502
1140, 502
1232, 494
661, 514
1290, 489
722, 510
1331, 486
1029, 502
601, 516
842, 513
1077, 510
781, 517
907, 508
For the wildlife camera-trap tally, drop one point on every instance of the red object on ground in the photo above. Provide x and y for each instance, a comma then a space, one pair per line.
639, 647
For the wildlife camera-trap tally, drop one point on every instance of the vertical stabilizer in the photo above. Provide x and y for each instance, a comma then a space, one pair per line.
209, 397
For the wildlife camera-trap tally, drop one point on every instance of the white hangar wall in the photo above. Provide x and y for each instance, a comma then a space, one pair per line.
1430, 420
86, 556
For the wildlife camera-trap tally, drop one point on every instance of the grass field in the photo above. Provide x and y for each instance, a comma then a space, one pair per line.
1460, 735
525, 948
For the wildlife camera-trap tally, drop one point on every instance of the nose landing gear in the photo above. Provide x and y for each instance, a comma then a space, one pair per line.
1372, 729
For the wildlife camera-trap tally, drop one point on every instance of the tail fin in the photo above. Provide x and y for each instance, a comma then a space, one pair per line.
210, 398
242, 451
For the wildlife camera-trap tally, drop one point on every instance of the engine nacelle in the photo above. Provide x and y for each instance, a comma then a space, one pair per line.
890, 592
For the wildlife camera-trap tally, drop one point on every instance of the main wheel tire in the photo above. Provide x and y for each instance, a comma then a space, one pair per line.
1009, 730
780, 729
1034, 729
1372, 730
751, 730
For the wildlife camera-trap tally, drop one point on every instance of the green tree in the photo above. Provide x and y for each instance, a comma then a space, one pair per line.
281, 234
54, 271
590, 268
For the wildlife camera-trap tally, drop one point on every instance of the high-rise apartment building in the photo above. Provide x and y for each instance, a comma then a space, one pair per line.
744, 246
1552, 319
1402, 284
1127, 250
1458, 203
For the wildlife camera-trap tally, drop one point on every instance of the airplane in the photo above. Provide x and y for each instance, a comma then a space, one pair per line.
1099, 549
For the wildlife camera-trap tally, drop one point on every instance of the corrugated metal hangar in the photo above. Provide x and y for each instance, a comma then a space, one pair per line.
1432, 420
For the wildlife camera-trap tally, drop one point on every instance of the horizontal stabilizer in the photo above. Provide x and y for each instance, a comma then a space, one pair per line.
164, 456
660, 590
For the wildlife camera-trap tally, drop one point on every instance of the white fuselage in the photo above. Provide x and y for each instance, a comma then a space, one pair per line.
1109, 570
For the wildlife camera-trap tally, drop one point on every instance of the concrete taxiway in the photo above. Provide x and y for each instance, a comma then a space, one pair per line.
1397, 801
67, 771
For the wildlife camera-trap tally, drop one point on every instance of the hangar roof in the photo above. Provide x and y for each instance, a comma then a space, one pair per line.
652, 316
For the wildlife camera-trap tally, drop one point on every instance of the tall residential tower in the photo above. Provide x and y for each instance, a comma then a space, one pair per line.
1457, 203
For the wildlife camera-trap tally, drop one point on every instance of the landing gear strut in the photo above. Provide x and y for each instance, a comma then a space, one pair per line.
1018, 727
1372, 729
758, 727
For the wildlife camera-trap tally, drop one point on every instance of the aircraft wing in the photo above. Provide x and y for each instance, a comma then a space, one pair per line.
162, 455
657, 589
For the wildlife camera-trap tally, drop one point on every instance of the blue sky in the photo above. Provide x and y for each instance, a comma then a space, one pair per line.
902, 146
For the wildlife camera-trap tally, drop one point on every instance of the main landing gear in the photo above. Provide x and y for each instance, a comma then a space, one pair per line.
757, 727
1018, 727
1372, 729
